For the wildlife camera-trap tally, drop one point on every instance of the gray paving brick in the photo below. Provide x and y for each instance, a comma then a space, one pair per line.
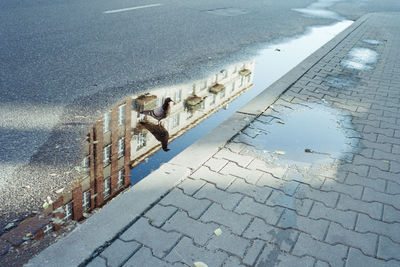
385, 131
253, 252
396, 149
235, 147
381, 155
365, 241
312, 179
97, 262
394, 167
377, 184
160, 241
378, 146
194, 207
360, 160
235, 222
353, 190
188, 253
250, 176
356, 257
200, 232
119, 252
316, 228
328, 198
269, 214
372, 209
144, 258
388, 250
388, 140
226, 199
366, 224
241, 160
277, 171
301, 206
321, 264
272, 256
220, 180
159, 214
233, 261
371, 195
191, 186
260, 194
289, 187
379, 174
334, 254
390, 214
285, 238
229, 242
216, 164
345, 218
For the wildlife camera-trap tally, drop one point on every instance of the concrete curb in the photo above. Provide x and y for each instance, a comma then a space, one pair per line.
105, 226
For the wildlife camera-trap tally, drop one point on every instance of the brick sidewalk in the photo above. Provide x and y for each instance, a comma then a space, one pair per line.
323, 201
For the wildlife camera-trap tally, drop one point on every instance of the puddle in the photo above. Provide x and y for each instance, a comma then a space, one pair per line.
372, 42
319, 10
360, 58
306, 135
341, 81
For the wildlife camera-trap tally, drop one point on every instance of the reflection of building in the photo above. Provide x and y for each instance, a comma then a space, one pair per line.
117, 141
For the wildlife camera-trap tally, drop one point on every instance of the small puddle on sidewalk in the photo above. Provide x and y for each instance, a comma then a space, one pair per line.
309, 134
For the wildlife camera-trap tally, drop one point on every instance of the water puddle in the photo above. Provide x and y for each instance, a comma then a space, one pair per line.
360, 58
341, 81
311, 134
319, 10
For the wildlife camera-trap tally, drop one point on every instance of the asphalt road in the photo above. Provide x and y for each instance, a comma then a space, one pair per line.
60, 59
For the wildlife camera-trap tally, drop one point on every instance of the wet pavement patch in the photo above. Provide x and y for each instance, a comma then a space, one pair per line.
360, 58
341, 81
372, 41
301, 135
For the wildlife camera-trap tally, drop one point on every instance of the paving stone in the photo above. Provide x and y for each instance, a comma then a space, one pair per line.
235, 222
310, 178
159, 214
356, 257
389, 140
253, 252
97, 262
191, 186
384, 131
381, 155
229, 242
394, 166
260, 194
227, 199
199, 231
235, 147
328, 198
186, 252
160, 241
241, 160
378, 146
285, 238
250, 176
232, 261
390, 214
267, 179
360, 160
119, 252
361, 170
366, 224
316, 228
373, 209
364, 241
354, 191
216, 164
144, 258
371, 195
387, 249
194, 207
301, 206
306, 246
321, 264
396, 149
272, 256
277, 171
270, 214
377, 184
345, 218
379, 174
220, 180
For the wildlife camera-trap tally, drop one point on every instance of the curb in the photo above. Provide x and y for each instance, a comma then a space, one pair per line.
92, 237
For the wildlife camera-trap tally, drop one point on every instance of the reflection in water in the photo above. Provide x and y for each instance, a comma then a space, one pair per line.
159, 132
160, 112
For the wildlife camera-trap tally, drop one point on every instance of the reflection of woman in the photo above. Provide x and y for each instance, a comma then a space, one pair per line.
159, 132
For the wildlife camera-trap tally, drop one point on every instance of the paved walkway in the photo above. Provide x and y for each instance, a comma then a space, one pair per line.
313, 181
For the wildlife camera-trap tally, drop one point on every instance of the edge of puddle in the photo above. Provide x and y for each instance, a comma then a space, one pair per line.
118, 217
